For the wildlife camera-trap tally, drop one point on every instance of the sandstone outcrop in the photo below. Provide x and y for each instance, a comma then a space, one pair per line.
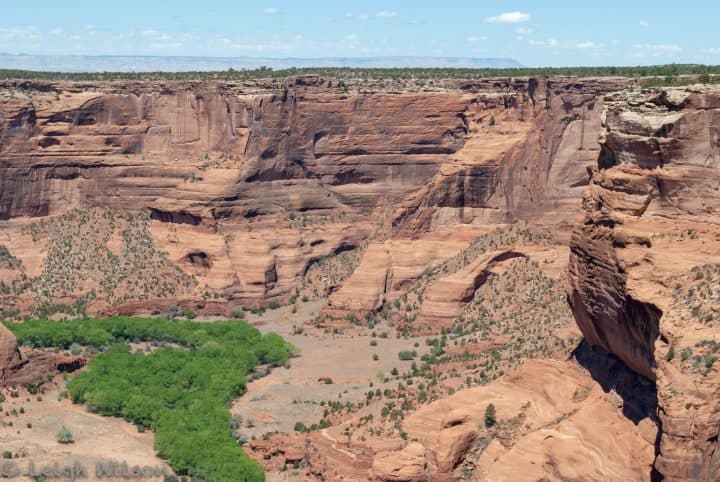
30, 366
10, 356
447, 296
547, 430
641, 263
247, 185
411, 464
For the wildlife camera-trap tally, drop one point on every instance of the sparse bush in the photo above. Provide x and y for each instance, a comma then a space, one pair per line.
670, 354
64, 435
490, 419
75, 349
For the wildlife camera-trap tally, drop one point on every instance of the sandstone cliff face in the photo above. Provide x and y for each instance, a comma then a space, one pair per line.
527, 149
642, 284
132, 150
248, 186
10, 357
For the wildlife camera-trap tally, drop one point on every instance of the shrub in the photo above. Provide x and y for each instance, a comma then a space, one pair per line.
237, 314
376, 357
189, 313
7, 454
490, 419
300, 427
64, 435
670, 354
407, 355
75, 349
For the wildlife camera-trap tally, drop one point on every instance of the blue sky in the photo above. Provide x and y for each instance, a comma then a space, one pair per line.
536, 33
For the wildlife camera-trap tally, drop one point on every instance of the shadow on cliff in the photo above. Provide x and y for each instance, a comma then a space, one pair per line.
639, 395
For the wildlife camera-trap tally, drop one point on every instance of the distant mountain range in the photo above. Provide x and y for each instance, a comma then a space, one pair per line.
108, 63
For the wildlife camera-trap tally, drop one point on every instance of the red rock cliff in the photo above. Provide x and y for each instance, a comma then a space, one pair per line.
643, 264
246, 186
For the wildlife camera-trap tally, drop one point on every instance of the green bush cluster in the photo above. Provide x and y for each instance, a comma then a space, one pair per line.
181, 393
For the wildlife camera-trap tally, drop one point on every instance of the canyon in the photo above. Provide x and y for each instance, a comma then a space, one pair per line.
547, 246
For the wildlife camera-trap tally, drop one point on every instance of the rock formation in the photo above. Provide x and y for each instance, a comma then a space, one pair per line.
138, 198
10, 357
247, 186
641, 284
30, 366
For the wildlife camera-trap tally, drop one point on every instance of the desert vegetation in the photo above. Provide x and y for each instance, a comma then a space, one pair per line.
351, 75
181, 392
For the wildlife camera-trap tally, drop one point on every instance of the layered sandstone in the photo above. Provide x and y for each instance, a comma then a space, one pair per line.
645, 250
248, 185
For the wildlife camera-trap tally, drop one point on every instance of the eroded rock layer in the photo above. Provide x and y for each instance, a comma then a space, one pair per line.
246, 186
643, 281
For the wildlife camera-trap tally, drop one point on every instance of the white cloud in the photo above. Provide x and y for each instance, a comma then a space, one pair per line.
56, 31
360, 16
711, 51
254, 46
23, 33
271, 11
644, 23
386, 14
524, 32
166, 45
586, 45
655, 50
509, 17
157, 35
352, 41
299, 37
475, 39
549, 43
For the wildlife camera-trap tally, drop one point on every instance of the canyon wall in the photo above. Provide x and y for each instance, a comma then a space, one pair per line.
643, 282
247, 186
